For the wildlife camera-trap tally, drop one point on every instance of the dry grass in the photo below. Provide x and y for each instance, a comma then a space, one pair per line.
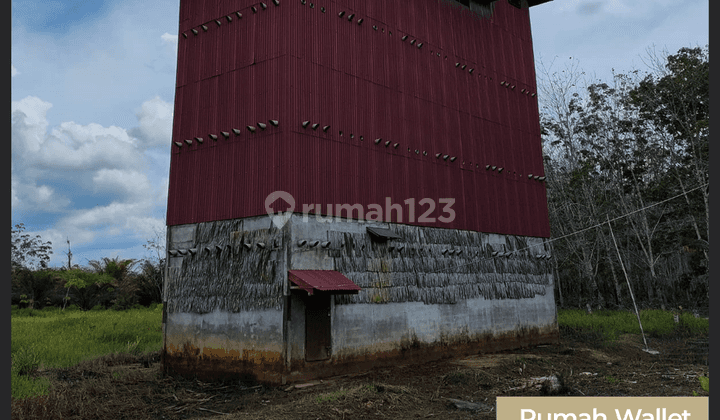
99, 388
124, 386
366, 400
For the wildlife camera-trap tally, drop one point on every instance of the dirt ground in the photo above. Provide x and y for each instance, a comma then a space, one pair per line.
132, 387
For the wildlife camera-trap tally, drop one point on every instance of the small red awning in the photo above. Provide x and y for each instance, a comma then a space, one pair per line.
322, 280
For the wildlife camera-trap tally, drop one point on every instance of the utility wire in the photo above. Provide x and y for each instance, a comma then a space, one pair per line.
596, 225
627, 214
478, 260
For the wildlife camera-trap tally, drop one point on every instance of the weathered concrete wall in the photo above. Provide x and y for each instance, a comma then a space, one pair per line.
366, 329
221, 344
434, 293
430, 265
223, 299
431, 294
230, 265
367, 336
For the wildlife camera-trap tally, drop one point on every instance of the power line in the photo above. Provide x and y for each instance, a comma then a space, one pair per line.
478, 260
628, 214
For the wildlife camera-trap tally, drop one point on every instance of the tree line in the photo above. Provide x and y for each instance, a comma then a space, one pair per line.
108, 283
627, 166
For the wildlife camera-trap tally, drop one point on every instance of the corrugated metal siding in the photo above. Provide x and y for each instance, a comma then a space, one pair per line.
295, 63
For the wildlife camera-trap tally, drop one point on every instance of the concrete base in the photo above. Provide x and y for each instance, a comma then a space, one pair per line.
433, 293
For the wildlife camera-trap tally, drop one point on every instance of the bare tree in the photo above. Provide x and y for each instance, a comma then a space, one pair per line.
627, 150
27, 251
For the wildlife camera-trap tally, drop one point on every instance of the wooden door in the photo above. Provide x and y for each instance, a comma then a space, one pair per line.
317, 327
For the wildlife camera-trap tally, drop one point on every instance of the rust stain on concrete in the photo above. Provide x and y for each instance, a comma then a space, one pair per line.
212, 364
267, 366
418, 353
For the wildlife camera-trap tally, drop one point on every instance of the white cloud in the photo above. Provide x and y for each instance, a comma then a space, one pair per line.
29, 123
99, 70
59, 236
45, 197
162, 197
72, 146
90, 159
96, 233
617, 8
169, 39
33, 197
77, 135
156, 119
127, 183
108, 219
621, 8
69, 146
14, 199
145, 228
59, 171
568, 5
102, 225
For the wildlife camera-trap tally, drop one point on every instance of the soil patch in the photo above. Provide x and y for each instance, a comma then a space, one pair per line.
133, 387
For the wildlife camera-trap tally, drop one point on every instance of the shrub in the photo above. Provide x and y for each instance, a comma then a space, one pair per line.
24, 312
150, 281
86, 289
32, 289
25, 361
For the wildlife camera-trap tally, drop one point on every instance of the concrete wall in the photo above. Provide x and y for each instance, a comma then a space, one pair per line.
230, 265
224, 305
365, 336
388, 327
216, 345
361, 328
419, 302
366, 329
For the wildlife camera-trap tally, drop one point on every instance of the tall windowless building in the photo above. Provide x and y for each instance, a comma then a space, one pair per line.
353, 182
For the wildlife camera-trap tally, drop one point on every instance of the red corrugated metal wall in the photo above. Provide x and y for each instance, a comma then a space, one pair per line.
428, 76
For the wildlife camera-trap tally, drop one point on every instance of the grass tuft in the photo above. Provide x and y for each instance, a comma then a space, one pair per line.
705, 383
332, 396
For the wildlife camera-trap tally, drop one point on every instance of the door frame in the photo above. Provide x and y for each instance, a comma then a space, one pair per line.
318, 326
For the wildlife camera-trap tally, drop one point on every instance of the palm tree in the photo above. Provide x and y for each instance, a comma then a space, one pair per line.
124, 279
150, 281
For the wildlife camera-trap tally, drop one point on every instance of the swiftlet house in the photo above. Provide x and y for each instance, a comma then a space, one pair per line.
353, 183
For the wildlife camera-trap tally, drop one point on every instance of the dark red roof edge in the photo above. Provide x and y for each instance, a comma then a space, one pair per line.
322, 280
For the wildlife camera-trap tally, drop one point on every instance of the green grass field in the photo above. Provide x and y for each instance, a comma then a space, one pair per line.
611, 324
51, 338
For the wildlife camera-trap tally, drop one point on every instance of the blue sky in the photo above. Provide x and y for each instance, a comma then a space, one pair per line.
93, 88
